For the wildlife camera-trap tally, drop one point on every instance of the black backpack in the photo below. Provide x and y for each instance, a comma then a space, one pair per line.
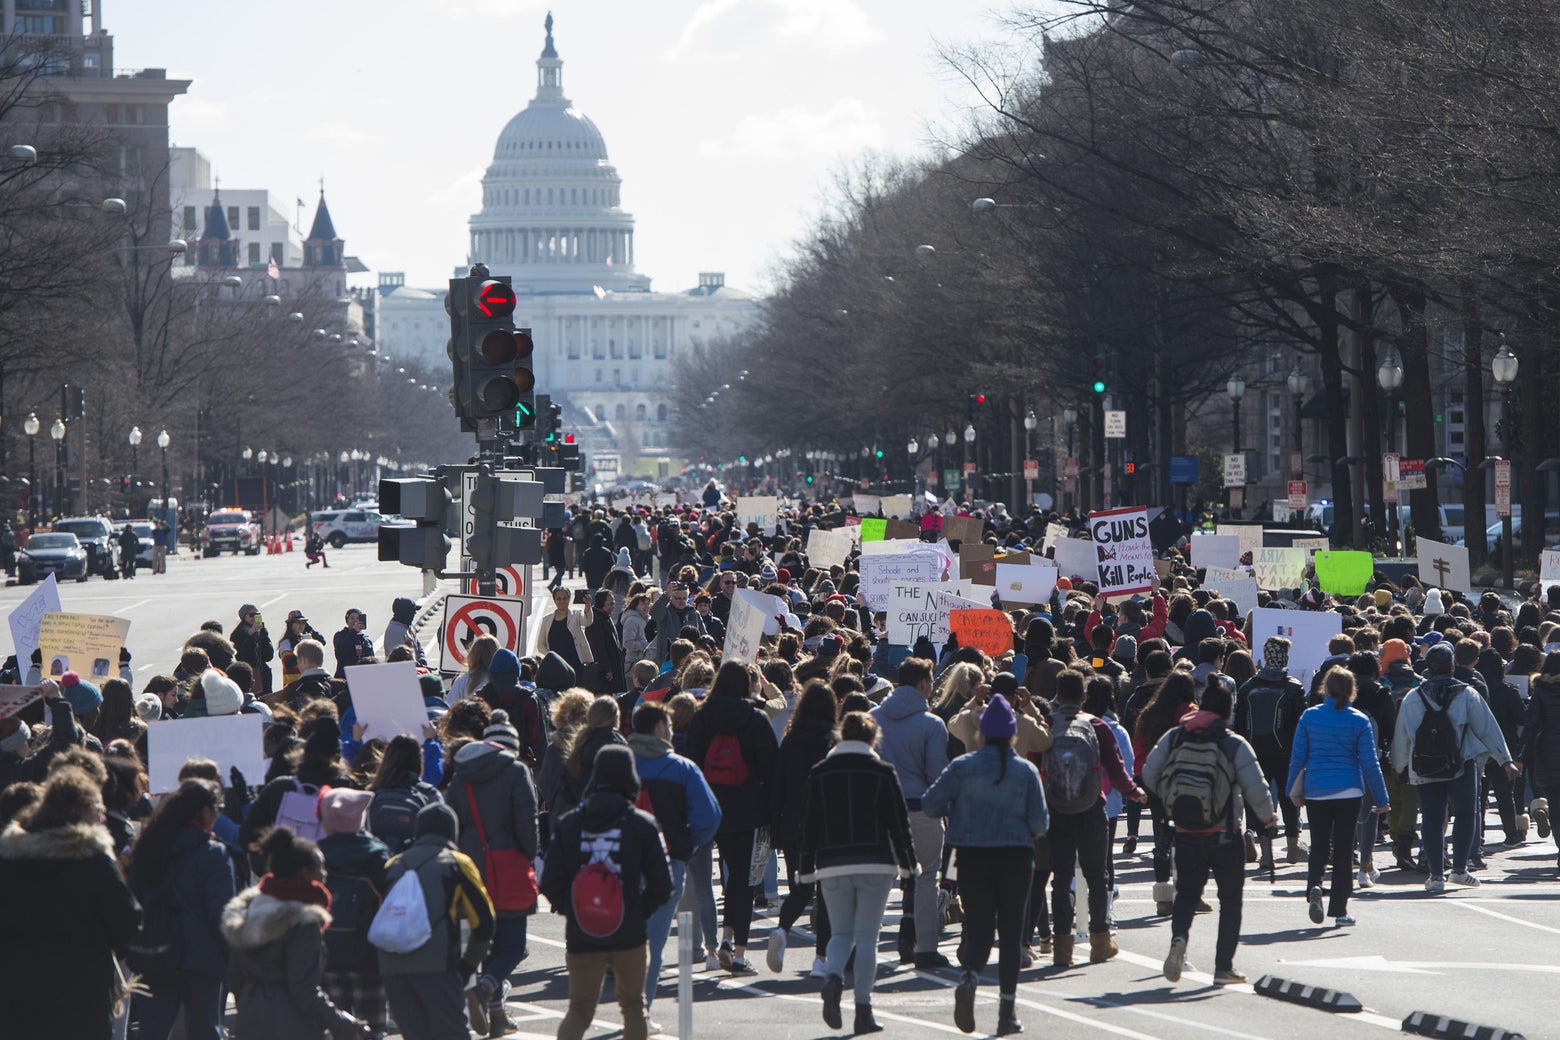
1437, 744
157, 951
392, 814
353, 902
1265, 709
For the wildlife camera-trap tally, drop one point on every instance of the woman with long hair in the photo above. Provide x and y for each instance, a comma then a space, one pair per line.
569, 713
809, 735
601, 727
478, 656
956, 688
400, 792
117, 719
181, 868
1175, 699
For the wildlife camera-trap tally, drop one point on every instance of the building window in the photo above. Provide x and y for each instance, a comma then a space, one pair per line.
658, 349
277, 254
620, 413
615, 348
573, 349
232, 215
254, 254
253, 216
597, 351
634, 349
660, 413
189, 218
640, 411
599, 374
35, 23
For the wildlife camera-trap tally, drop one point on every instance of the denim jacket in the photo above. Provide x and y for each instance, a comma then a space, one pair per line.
982, 812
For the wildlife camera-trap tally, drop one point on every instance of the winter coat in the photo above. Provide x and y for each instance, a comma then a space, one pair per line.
68, 914
630, 843
681, 800
635, 643
552, 789
669, 623
255, 650
1033, 739
750, 805
1252, 785
1374, 698
452, 892
311, 685
64, 732
262, 813
607, 653
914, 741
526, 712
1200, 625
200, 883
1337, 749
1267, 684
403, 611
983, 811
854, 819
804, 747
1541, 731
351, 647
506, 799
1469, 714
579, 621
278, 955
362, 856
1400, 678
596, 562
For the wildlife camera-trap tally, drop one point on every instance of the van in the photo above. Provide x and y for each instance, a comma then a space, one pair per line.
1319, 515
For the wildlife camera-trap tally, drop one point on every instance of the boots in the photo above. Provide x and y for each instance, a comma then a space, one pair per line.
1062, 949
1164, 898
1007, 1017
1102, 947
865, 1023
833, 986
1295, 850
1541, 816
1403, 853
1266, 862
906, 938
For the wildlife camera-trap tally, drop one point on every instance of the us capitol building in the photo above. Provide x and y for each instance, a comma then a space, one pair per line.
551, 218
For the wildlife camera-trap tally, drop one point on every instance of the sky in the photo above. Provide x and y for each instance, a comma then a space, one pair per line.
726, 119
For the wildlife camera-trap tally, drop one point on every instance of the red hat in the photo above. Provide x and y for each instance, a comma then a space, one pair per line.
783, 576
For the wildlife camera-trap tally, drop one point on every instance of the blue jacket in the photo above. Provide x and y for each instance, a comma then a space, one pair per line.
433, 751
1337, 749
914, 741
200, 881
656, 760
983, 813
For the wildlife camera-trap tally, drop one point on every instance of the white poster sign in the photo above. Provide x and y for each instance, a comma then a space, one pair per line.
897, 507
917, 609
827, 549
1242, 591
1250, 536
1124, 554
867, 505
1279, 568
228, 740
1075, 558
745, 624
1215, 550
1215, 575
1307, 631
1311, 545
1054, 533
1548, 570
28, 616
1444, 566
387, 699
880, 573
758, 509
1025, 584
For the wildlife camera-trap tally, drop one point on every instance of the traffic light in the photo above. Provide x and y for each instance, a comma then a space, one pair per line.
426, 502
974, 405
494, 378
1099, 375
549, 417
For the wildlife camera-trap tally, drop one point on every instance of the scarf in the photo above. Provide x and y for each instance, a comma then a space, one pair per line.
296, 890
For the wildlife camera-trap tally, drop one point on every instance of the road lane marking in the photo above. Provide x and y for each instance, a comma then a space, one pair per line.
1504, 917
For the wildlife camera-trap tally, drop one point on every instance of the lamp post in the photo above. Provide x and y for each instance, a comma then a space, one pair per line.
1236, 388
1070, 417
1504, 368
1389, 376
1031, 421
57, 433
1299, 383
162, 442
135, 455
969, 446
30, 427
910, 451
934, 445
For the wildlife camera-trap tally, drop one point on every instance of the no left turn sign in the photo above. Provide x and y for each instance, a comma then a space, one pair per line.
510, 581
467, 617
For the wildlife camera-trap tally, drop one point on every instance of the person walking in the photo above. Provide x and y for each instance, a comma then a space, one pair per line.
129, 549
994, 803
355, 863
1333, 765
1175, 699
853, 841
1541, 743
1444, 732
1267, 710
1201, 772
603, 851
809, 736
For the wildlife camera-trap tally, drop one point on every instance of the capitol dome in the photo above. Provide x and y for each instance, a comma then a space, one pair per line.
551, 210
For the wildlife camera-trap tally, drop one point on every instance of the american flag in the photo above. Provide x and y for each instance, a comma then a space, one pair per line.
272, 271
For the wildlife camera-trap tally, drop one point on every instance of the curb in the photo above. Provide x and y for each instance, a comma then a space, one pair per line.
1423, 1023
1309, 996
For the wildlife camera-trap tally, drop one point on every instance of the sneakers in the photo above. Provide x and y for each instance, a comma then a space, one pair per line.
1435, 884
819, 969
1315, 907
726, 954
711, 962
1476, 862
1202, 907
652, 1027
1228, 977
1176, 960
1251, 847
1129, 846
964, 1002
1462, 877
740, 966
1541, 816
776, 954
1026, 958
833, 986
931, 961
1365, 879
1344, 921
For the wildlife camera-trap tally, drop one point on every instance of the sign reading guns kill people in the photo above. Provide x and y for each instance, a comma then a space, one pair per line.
1123, 550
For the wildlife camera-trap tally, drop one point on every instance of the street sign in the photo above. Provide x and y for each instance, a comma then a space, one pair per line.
1070, 469
509, 581
950, 478
1503, 488
467, 617
1411, 474
1031, 469
1183, 469
1297, 496
1235, 470
468, 509
1389, 477
969, 467
1115, 425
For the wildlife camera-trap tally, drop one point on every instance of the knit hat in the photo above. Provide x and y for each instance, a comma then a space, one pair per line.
1275, 654
998, 722
223, 697
1125, 648
1393, 650
148, 708
623, 559
768, 573
1433, 603
783, 576
436, 818
1438, 659
431, 686
830, 645
504, 663
1064, 583
17, 739
343, 809
1429, 639
614, 771
82, 696
1004, 684
324, 740
1383, 599
500, 732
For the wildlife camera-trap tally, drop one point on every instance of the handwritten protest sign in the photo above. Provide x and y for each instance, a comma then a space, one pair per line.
873, 530
1025, 584
1215, 550
387, 699
1279, 568
1307, 632
827, 549
880, 573
1444, 566
917, 609
1125, 556
758, 509
1344, 572
990, 631
745, 624
867, 505
1548, 569
28, 615
228, 740
1310, 545
902, 529
1250, 536
896, 506
87, 644
965, 529
1242, 591
1054, 533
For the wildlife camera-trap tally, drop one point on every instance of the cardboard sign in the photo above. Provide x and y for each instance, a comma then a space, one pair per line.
976, 563
228, 740
1344, 572
1124, 554
14, 698
1444, 566
1307, 631
866, 505
28, 616
1548, 569
1216, 575
917, 609
1025, 584
1242, 591
902, 529
1054, 533
758, 509
989, 631
87, 644
873, 530
1279, 568
897, 507
964, 529
1075, 558
387, 699
745, 624
1310, 545
1215, 550
827, 549
1250, 536
880, 573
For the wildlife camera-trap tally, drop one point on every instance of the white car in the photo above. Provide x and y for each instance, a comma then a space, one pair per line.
337, 527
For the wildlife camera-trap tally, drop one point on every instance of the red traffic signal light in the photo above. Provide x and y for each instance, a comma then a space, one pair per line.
494, 299
980, 399
568, 438
1131, 468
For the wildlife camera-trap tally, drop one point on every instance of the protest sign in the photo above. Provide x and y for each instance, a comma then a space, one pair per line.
1317, 544
14, 698
1215, 550
1214, 575
989, 631
1025, 584
28, 615
896, 507
1307, 632
1279, 568
965, 529
873, 530
1054, 533
827, 549
1521, 683
975, 563
902, 529
917, 609
758, 509
1344, 572
1125, 556
867, 505
1250, 536
87, 644
387, 699
228, 740
745, 624
1444, 566
890, 546
1242, 591
1075, 558
1548, 571
880, 573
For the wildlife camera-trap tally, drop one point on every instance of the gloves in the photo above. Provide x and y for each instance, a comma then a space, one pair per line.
237, 797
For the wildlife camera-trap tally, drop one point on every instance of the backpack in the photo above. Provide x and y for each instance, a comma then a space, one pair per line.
1265, 709
724, 765
353, 903
1437, 744
1198, 780
1072, 766
157, 951
596, 894
401, 923
299, 811
392, 814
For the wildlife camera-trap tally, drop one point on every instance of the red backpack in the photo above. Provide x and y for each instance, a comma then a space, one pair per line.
724, 765
596, 893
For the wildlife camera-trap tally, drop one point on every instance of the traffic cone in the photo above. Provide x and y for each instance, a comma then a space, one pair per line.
275, 548
289, 540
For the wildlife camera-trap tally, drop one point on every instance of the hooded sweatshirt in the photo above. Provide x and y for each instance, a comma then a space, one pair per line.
606, 828
1248, 774
501, 787
913, 740
1199, 626
402, 612
749, 805
681, 800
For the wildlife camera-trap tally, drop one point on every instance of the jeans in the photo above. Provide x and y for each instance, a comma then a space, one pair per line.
1223, 856
699, 894
1081, 839
1164, 835
1435, 798
199, 994
1367, 827
926, 835
1332, 840
428, 1006
506, 953
1497, 783
586, 973
660, 926
736, 855
856, 903
994, 888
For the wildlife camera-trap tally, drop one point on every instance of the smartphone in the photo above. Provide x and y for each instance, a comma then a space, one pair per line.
582, 595
259, 621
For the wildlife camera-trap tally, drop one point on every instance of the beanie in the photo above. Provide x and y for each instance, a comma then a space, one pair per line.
1275, 654
1383, 598
1438, 659
148, 708
614, 771
82, 696
1125, 648
17, 739
504, 663
223, 697
500, 732
997, 722
1433, 603
1393, 650
432, 686
343, 809
436, 818
783, 575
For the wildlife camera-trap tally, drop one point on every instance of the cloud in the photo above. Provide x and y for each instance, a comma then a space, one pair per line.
845, 126
722, 30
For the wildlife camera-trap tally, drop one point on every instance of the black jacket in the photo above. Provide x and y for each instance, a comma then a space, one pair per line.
632, 845
1266, 685
804, 747
255, 650
606, 648
750, 805
854, 816
1541, 731
351, 647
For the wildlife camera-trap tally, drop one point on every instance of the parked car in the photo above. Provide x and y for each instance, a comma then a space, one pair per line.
1551, 530
51, 552
1319, 515
96, 535
234, 530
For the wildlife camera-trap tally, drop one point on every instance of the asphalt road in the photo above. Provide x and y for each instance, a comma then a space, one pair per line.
1488, 955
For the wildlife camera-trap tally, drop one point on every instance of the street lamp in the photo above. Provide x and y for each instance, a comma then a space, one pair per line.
1504, 368
30, 426
135, 452
1236, 388
1389, 376
162, 442
1299, 383
1070, 417
57, 433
